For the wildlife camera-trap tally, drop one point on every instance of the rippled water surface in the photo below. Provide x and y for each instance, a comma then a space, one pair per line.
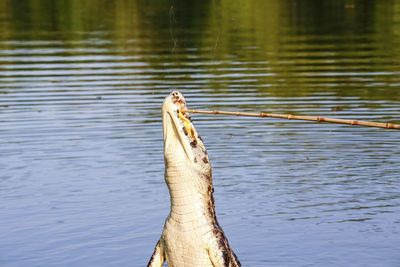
81, 151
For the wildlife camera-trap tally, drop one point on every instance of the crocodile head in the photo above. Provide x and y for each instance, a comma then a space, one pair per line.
189, 180
182, 143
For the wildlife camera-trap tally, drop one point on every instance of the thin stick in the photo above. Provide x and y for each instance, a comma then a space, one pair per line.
296, 117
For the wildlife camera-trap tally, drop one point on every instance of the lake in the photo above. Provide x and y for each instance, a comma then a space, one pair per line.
81, 148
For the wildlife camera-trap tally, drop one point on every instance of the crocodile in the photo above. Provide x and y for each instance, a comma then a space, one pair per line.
192, 235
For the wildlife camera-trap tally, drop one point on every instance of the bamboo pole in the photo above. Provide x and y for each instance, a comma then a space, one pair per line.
296, 117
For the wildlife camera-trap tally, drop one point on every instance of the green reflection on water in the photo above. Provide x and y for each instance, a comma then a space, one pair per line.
350, 48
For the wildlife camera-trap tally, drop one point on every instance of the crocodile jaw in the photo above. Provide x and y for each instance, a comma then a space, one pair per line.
183, 146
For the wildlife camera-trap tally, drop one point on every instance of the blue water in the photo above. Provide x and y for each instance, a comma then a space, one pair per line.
81, 159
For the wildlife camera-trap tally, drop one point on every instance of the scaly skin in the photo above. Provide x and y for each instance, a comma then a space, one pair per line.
191, 234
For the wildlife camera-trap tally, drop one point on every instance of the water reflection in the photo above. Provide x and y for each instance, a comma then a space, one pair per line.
81, 85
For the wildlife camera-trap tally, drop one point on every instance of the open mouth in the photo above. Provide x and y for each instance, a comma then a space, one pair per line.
185, 118
179, 101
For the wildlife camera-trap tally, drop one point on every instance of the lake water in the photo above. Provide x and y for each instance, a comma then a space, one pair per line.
81, 150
